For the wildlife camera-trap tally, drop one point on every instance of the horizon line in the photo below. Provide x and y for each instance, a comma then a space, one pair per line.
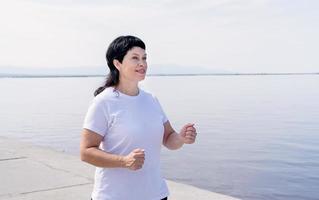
157, 74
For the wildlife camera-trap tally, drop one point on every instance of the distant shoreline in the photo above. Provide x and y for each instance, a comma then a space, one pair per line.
208, 74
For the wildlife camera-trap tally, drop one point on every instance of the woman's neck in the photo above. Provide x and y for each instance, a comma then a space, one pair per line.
128, 88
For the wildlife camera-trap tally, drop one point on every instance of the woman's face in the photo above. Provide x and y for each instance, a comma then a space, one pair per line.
134, 65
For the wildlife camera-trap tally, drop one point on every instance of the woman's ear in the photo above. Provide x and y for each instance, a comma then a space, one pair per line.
117, 64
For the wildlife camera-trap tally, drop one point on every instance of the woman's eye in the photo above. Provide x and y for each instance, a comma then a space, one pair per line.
135, 58
144, 58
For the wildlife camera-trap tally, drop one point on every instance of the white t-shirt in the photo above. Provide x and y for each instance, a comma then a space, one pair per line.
126, 123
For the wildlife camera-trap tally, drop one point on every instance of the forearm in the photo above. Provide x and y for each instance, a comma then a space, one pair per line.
174, 141
99, 158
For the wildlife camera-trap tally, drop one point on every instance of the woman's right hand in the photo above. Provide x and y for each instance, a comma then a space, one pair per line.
135, 159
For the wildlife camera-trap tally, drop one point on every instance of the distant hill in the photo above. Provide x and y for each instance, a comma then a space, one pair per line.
100, 70
175, 69
58, 71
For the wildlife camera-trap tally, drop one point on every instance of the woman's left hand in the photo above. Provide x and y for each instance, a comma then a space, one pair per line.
188, 133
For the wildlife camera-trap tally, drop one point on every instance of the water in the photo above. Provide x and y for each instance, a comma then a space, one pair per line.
258, 135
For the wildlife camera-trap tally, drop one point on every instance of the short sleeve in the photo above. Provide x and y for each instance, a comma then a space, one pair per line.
164, 117
96, 118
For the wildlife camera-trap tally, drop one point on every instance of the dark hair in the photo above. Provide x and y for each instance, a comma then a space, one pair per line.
117, 50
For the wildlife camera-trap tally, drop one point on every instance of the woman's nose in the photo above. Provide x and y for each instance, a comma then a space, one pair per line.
142, 63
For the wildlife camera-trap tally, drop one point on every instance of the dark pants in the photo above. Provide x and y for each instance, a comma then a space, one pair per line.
161, 199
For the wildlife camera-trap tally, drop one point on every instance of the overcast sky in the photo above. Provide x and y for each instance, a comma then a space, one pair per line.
232, 35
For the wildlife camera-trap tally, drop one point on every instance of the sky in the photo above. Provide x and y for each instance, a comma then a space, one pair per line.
248, 36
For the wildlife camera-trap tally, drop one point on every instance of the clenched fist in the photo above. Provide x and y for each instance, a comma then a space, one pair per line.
135, 159
188, 133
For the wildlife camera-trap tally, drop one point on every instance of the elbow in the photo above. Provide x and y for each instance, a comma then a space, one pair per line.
83, 155
170, 147
166, 144
172, 141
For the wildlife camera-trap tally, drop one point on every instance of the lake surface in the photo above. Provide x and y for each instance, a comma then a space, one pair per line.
258, 136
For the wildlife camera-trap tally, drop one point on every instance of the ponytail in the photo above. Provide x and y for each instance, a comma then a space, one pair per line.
113, 79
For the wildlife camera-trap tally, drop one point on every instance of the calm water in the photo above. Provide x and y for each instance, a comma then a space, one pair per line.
258, 135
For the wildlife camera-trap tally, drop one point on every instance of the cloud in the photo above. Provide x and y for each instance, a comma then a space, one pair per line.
244, 36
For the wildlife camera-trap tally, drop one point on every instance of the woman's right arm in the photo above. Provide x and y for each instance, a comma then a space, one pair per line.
90, 153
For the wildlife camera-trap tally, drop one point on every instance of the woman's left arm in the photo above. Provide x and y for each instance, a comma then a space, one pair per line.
173, 140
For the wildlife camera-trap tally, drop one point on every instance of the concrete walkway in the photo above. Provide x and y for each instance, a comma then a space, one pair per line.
28, 172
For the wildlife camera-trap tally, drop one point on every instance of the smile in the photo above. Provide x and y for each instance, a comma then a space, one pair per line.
141, 71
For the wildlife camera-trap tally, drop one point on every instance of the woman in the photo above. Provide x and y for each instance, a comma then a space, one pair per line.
124, 129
